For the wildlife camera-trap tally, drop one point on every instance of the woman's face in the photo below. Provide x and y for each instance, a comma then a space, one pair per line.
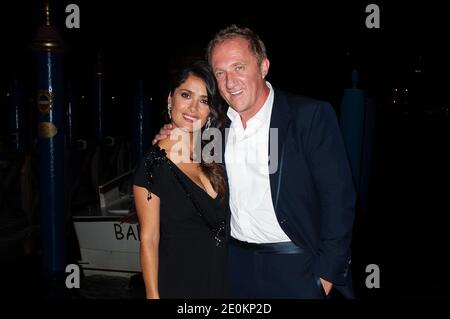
190, 108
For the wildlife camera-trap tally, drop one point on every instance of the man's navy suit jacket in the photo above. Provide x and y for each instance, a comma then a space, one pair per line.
312, 188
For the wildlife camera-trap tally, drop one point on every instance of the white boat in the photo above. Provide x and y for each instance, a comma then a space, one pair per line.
108, 235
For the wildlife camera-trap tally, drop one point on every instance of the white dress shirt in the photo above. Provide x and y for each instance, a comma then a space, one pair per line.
246, 157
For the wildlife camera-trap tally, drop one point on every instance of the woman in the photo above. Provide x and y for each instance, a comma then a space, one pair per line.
181, 203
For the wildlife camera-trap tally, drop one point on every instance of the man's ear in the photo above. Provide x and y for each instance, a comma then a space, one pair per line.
265, 64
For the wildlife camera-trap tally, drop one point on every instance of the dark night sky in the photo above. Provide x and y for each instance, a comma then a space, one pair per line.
307, 43
312, 47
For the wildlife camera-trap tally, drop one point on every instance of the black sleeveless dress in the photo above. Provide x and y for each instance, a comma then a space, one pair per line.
192, 255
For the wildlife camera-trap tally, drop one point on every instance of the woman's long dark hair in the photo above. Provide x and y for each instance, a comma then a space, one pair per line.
214, 171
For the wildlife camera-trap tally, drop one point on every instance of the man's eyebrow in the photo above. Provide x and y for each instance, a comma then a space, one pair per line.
232, 65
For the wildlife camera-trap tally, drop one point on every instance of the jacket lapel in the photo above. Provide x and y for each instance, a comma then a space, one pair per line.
279, 120
225, 132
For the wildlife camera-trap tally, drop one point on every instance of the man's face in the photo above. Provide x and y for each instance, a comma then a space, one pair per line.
239, 77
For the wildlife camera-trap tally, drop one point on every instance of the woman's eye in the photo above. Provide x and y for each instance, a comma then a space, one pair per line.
205, 101
185, 95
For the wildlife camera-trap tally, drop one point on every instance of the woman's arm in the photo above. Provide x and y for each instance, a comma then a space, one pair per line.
148, 214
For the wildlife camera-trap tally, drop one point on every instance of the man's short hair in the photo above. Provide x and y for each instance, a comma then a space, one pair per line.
233, 31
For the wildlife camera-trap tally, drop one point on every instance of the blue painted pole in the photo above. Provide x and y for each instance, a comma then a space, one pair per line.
140, 124
99, 99
71, 118
367, 153
50, 125
16, 116
352, 125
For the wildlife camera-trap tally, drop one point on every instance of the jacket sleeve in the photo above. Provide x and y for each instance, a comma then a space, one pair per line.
333, 179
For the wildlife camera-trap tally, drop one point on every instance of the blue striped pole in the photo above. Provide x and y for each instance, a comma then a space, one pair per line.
71, 118
99, 99
16, 116
50, 125
140, 124
367, 153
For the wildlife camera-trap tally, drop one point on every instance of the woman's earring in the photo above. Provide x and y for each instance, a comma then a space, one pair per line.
169, 110
208, 124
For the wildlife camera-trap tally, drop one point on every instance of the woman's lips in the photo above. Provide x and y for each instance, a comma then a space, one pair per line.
190, 118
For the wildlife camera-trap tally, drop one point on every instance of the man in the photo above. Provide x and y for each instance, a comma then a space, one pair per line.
290, 228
